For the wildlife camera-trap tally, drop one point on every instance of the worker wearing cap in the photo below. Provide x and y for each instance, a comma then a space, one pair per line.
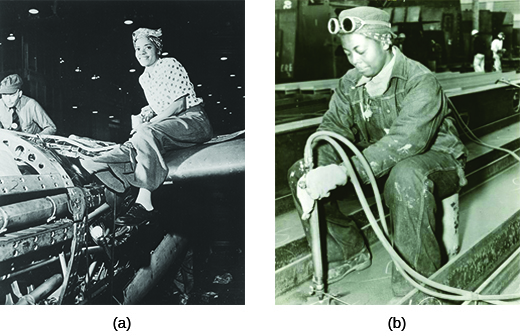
21, 113
394, 110
497, 47
479, 49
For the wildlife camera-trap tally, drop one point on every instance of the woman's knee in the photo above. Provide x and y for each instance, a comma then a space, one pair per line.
405, 176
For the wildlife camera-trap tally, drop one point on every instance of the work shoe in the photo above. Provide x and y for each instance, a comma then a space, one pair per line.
400, 286
135, 216
358, 262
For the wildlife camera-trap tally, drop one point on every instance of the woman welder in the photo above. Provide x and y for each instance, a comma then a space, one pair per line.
173, 119
394, 109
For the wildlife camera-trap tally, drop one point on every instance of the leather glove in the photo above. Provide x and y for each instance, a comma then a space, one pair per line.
318, 183
306, 201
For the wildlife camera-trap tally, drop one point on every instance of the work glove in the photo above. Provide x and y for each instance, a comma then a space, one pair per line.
318, 183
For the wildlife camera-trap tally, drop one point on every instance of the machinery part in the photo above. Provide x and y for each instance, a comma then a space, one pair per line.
32, 212
163, 256
42, 291
77, 203
42, 210
31, 151
31, 239
10, 185
505, 81
456, 294
516, 103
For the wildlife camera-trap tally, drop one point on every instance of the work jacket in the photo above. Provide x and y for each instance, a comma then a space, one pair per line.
409, 118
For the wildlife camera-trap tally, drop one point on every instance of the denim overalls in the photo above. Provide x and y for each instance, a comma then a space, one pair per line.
412, 146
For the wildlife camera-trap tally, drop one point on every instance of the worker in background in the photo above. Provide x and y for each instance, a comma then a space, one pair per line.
394, 110
21, 113
399, 41
479, 48
497, 47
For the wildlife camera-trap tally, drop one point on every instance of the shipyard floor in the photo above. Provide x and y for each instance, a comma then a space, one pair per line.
481, 210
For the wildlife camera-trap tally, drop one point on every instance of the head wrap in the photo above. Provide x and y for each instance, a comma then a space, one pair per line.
474, 32
11, 84
153, 35
374, 31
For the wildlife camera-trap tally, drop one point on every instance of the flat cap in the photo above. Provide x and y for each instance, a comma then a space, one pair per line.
366, 13
10, 84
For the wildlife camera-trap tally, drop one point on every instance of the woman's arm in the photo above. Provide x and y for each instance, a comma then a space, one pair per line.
174, 108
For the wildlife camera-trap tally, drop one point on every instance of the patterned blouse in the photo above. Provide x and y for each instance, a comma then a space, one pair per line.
164, 82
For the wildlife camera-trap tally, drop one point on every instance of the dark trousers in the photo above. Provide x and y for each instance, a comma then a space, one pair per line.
413, 192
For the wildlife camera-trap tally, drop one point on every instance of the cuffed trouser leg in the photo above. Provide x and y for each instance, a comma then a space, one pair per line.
413, 193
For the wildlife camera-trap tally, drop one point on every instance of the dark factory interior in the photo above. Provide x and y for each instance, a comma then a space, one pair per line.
77, 60
77, 57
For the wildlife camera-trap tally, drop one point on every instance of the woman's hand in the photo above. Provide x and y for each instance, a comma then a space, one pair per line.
175, 108
147, 113
137, 121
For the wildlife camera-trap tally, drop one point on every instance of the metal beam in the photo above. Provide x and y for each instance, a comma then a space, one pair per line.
470, 269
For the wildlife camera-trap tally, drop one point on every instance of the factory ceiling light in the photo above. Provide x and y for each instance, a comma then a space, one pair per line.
11, 37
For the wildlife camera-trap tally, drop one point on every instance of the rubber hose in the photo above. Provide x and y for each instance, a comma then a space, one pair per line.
408, 273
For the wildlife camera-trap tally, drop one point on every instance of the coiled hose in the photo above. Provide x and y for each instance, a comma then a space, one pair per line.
451, 293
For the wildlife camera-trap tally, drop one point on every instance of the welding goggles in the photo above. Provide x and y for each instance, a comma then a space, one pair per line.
350, 24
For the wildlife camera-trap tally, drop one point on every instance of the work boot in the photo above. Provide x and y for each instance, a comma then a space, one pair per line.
358, 262
137, 215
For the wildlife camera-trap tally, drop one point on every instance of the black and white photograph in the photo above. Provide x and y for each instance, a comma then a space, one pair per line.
397, 134
123, 153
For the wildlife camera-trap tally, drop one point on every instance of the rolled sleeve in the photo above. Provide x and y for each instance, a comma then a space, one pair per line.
43, 120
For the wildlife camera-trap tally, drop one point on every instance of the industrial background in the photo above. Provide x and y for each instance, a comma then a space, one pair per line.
78, 62
306, 51
308, 64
